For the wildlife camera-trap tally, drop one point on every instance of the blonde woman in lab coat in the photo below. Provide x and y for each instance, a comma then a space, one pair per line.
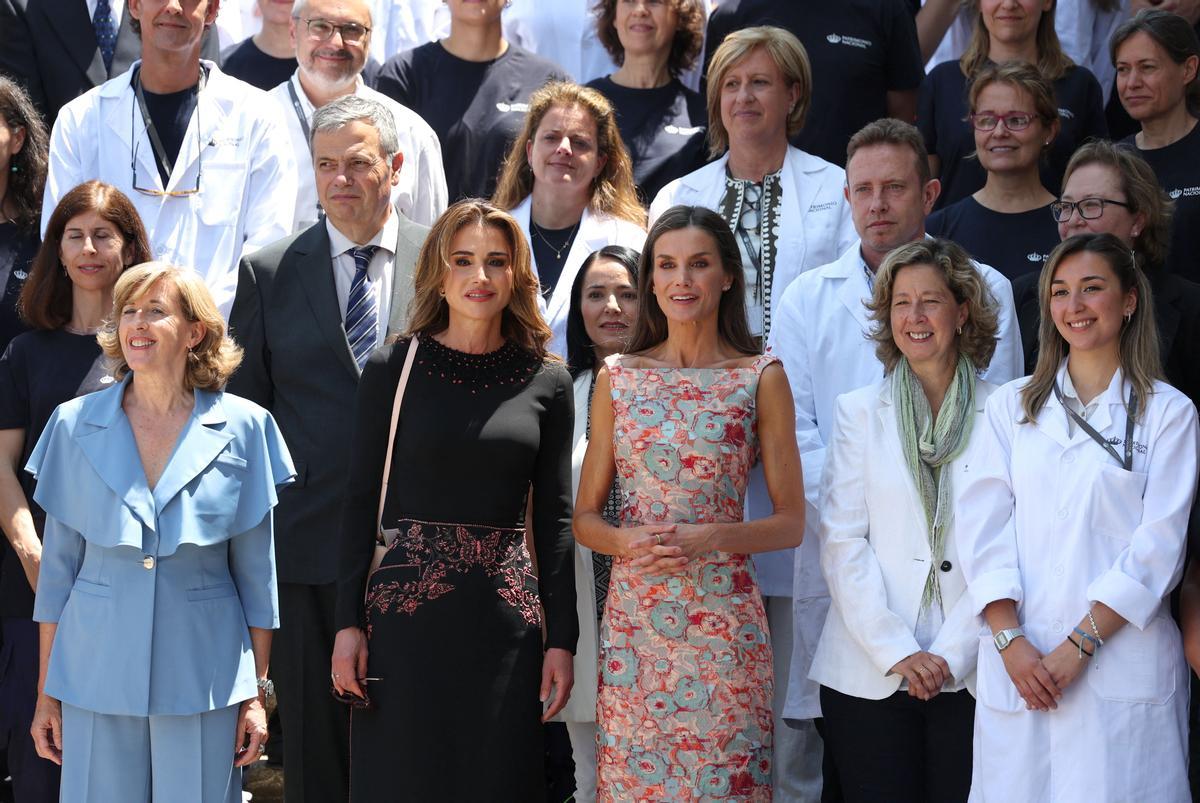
1072, 527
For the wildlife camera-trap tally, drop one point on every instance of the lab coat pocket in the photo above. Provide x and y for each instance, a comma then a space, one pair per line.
1115, 504
1138, 666
993, 687
219, 202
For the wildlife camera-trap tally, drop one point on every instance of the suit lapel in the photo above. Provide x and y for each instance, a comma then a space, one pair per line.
315, 269
106, 440
408, 248
73, 25
198, 445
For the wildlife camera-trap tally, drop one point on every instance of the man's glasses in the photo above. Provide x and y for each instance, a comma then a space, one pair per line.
133, 160
321, 30
1013, 121
1088, 208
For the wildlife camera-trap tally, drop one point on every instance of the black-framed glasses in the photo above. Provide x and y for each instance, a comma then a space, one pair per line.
1088, 208
321, 30
1013, 121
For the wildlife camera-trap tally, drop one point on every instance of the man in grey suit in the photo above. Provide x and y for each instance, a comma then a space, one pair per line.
308, 311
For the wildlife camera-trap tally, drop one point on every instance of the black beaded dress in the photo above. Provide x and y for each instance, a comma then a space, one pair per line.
454, 614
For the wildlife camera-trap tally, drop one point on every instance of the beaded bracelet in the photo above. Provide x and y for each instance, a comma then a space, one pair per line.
1095, 629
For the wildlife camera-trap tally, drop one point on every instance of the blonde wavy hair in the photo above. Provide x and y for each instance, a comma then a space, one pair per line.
977, 341
613, 191
429, 313
789, 56
210, 362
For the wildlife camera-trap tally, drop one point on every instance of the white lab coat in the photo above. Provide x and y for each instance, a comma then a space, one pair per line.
420, 195
820, 333
875, 554
815, 225
246, 169
1052, 521
595, 232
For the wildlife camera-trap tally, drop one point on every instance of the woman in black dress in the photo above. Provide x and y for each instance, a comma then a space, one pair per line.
23, 144
93, 235
450, 638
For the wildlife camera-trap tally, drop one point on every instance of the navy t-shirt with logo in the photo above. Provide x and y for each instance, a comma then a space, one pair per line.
476, 108
859, 51
663, 128
1013, 243
1178, 169
942, 117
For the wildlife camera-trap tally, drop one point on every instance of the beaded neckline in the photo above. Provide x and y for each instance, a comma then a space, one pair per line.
506, 366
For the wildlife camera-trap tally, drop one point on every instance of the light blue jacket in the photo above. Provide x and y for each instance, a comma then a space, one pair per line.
153, 591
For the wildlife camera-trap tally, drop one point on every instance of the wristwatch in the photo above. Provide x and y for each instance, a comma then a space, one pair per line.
1006, 637
266, 686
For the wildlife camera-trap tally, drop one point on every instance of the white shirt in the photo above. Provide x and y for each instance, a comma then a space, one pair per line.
379, 271
420, 194
245, 167
1072, 400
115, 6
397, 27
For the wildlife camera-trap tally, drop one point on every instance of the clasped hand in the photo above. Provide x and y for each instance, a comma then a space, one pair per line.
666, 548
1040, 680
925, 672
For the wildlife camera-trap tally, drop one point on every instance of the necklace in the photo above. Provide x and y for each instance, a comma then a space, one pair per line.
558, 251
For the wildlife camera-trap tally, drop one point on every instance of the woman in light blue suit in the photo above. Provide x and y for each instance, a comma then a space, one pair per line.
157, 593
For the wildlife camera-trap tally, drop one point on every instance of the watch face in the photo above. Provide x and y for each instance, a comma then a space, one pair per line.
1002, 640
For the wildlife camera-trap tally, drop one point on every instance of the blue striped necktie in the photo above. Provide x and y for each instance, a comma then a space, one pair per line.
106, 32
362, 307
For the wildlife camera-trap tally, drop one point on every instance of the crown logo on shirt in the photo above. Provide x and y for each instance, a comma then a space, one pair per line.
1035, 257
1176, 193
833, 39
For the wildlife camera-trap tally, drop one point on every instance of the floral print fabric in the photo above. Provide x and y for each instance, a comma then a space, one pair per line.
684, 707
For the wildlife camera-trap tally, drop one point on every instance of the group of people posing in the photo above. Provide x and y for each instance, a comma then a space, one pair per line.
806, 484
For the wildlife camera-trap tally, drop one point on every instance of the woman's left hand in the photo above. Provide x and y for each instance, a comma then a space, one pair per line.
673, 551
252, 726
1064, 665
558, 673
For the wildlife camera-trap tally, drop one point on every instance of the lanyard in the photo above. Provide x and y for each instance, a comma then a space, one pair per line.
159, 150
1131, 413
300, 113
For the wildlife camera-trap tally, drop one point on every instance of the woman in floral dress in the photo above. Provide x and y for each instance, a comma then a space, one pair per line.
684, 707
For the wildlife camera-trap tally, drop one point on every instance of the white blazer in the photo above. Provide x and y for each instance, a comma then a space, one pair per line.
248, 174
1049, 519
595, 232
582, 705
420, 194
820, 334
815, 224
875, 554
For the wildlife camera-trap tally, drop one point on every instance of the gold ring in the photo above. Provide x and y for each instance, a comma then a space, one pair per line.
658, 539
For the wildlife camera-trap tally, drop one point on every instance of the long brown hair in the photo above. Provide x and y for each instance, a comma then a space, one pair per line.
1051, 59
45, 301
613, 190
429, 314
1140, 361
650, 329
27, 176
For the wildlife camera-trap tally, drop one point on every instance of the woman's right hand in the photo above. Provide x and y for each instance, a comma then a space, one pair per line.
349, 663
47, 728
647, 546
1030, 676
925, 672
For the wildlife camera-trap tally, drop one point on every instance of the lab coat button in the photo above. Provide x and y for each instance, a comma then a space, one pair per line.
1058, 571
148, 562
1058, 626
947, 565
1068, 458
1062, 513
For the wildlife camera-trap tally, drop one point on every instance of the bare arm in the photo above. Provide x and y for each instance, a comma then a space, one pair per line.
15, 518
47, 716
251, 737
933, 20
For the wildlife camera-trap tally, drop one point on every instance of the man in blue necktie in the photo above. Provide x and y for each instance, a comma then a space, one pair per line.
308, 312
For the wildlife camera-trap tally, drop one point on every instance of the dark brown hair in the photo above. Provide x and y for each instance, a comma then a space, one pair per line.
28, 166
685, 47
650, 329
1172, 33
45, 301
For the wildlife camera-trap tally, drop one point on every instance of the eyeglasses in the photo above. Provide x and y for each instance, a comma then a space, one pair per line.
1088, 208
1013, 121
321, 30
148, 128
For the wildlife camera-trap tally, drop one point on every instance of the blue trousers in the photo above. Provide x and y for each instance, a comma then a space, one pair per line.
35, 780
164, 759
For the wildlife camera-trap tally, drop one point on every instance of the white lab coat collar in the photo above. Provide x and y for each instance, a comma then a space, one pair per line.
305, 103
122, 118
854, 290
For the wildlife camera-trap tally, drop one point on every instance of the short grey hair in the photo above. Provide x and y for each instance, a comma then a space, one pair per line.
300, 6
351, 108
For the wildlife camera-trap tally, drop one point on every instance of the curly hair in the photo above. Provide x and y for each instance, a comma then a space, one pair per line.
613, 190
27, 174
210, 362
685, 46
978, 338
521, 321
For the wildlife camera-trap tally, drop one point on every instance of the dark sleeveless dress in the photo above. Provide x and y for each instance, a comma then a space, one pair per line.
452, 615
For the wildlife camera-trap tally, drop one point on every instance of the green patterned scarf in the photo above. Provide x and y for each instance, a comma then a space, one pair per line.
928, 447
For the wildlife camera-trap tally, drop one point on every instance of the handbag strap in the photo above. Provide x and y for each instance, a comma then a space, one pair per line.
409, 358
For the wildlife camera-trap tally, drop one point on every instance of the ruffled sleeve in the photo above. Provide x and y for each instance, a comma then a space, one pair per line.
269, 467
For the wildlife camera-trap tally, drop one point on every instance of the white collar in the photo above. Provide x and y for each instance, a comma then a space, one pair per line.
307, 104
385, 238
